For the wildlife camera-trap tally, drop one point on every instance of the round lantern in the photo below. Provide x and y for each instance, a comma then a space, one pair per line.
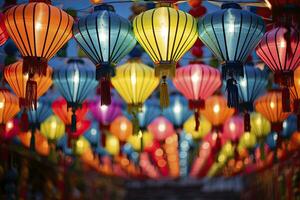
121, 127
289, 126
135, 82
81, 146
39, 30
161, 128
3, 33
74, 81
27, 88
233, 128
178, 111
231, 34
197, 82
247, 140
53, 128
9, 107
280, 50
138, 144
93, 135
112, 145
260, 126
106, 38
166, 34
205, 127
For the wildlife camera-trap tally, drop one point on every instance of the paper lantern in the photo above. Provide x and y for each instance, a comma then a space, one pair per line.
75, 82
22, 84
203, 130
247, 140
138, 144
166, 34
161, 128
289, 127
3, 33
40, 144
231, 34
93, 135
260, 126
197, 82
106, 38
11, 129
121, 127
135, 82
178, 111
9, 107
280, 50
270, 106
233, 128
39, 30
112, 145
81, 146
53, 128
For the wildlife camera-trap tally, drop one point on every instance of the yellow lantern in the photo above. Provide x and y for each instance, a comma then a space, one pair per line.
204, 128
247, 140
53, 128
166, 34
81, 146
135, 82
112, 145
137, 142
260, 126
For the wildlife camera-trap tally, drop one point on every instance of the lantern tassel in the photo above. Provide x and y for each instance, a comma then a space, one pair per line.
24, 123
103, 138
232, 93
164, 96
32, 141
286, 107
247, 124
31, 94
197, 121
135, 124
35, 65
73, 122
105, 91
141, 140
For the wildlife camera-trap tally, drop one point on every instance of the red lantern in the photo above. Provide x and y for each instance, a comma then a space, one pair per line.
197, 82
233, 128
3, 33
161, 128
280, 50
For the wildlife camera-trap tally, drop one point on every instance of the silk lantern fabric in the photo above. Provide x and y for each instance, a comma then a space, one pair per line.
3, 33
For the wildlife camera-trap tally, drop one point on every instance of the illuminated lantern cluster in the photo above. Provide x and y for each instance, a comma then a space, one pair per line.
106, 38
171, 149
3, 33
231, 34
165, 34
197, 82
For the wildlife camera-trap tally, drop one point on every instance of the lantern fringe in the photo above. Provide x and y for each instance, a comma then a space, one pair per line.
31, 94
197, 120
24, 123
32, 141
247, 124
164, 95
105, 91
232, 93
35, 65
73, 121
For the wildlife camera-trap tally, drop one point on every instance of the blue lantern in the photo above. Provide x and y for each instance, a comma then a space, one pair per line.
231, 34
178, 111
289, 126
93, 136
106, 38
271, 140
74, 81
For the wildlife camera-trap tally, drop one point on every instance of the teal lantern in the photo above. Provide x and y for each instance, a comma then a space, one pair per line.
231, 34
106, 38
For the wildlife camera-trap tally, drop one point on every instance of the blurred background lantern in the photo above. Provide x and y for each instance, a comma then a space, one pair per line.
75, 81
233, 129
9, 107
295, 94
289, 126
19, 82
11, 130
112, 145
105, 44
140, 82
3, 33
178, 111
121, 127
247, 140
197, 82
280, 50
81, 146
161, 128
204, 129
53, 128
93, 136
41, 144
230, 43
38, 38
165, 34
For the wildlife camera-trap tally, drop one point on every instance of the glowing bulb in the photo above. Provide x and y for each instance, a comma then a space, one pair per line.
275, 136
243, 83
123, 126
268, 4
216, 108
231, 28
284, 124
26, 76
53, 124
162, 127
140, 134
76, 76
231, 126
38, 26
272, 104
195, 78
93, 131
133, 78
1, 104
282, 44
103, 108
177, 108
258, 121
79, 144
9, 125
214, 136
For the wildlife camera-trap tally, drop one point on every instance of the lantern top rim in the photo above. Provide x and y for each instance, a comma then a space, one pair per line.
104, 7
231, 5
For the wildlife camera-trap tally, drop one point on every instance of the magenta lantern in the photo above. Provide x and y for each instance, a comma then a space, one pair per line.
197, 82
280, 50
161, 128
233, 128
11, 129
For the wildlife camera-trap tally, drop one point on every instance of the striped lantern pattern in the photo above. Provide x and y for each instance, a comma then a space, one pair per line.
3, 33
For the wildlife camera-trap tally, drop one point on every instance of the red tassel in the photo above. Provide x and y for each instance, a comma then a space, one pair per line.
286, 106
105, 91
31, 95
247, 125
197, 120
24, 123
35, 65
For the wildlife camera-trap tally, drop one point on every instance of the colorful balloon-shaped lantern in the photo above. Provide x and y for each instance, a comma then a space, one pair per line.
161, 128
53, 128
3, 33
121, 127
203, 130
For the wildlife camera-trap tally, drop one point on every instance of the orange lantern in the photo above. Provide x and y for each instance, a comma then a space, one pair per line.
39, 30
9, 107
121, 127
295, 93
270, 106
20, 83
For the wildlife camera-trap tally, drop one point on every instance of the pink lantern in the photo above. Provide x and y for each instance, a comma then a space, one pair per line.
197, 82
11, 129
161, 128
3, 33
280, 50
233, 128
